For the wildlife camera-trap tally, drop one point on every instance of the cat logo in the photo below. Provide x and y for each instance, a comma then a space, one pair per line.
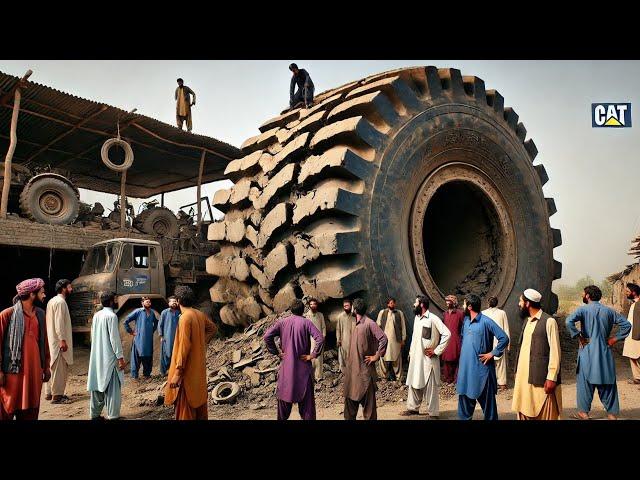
616, 115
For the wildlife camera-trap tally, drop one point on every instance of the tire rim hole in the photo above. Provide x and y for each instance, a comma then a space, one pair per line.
458, 212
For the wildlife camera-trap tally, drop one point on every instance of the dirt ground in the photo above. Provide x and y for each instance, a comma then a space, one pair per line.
139, 397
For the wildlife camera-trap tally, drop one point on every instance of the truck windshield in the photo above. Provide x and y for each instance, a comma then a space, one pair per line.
101, 259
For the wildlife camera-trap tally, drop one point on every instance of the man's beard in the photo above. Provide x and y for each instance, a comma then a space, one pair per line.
417, 310
584, 300
347, 310
631, 297
524, 313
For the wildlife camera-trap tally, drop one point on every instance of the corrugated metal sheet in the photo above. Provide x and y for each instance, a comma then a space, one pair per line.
161, 164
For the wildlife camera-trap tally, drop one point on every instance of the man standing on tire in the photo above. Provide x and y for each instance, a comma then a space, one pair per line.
453, 319
295, 377
346, 324
24, 353
60, 342
317, 318
106, 362
537, 394
184, 104
146, 322
596, 366
167, 330
368, 344
187, 385
500, 317
631, 348
304, 94
393, 324
477, 371
429, 339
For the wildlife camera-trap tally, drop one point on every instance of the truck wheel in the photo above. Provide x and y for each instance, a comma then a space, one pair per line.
49, 200
414, 180
158, 221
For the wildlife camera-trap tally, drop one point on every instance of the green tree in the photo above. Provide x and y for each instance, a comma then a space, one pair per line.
607, 289
583, 282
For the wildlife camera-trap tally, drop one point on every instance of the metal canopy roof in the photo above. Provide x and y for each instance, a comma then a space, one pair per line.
66, 133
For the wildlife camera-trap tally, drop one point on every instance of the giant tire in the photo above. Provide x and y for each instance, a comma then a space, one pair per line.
414, 180
49, 198
158, 221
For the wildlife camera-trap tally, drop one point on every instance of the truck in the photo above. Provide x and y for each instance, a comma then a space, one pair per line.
133, 268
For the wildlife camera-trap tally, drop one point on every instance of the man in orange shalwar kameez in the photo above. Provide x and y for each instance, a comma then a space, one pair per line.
187, 385
24, 353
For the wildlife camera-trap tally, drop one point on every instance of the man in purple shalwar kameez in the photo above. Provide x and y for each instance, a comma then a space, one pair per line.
295, 378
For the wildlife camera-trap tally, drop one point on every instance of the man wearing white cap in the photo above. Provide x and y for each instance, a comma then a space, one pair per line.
500, 317
536, 393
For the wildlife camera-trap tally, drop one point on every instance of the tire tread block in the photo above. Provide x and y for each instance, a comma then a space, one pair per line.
275, 219
376, 102
279, 181
325, 198
337, 158
280, 120
356, 128
307, 250
333, 284
293, 149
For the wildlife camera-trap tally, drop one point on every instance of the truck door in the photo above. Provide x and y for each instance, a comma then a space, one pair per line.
133, 274
155, 270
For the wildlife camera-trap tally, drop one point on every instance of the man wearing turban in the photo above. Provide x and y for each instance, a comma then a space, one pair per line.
24, 353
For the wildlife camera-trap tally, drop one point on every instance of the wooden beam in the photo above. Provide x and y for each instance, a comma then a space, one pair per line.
181, 144
39, 145
198, 189
4, 201
60, 137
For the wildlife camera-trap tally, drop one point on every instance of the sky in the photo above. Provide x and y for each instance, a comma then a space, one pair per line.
592, 172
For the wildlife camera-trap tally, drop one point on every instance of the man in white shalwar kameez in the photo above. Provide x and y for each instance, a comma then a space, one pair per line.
59, 336
500, 317
429, 339
106, 362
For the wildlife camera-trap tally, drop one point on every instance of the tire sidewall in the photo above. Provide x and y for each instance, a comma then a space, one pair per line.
421, 146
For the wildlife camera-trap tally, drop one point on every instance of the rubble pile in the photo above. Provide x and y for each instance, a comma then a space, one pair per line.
244, 359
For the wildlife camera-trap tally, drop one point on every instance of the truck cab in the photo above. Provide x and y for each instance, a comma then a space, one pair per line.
132, 268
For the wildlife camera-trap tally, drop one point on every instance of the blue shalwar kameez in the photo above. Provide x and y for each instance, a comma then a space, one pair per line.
476, 381
596, 367
167, 330
142, 345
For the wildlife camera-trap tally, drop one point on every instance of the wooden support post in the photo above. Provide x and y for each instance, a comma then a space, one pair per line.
198, 190
6, 184
162, 199
123, 200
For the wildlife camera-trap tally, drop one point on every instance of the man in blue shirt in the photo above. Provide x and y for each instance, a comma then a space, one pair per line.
167, 331
596, 366
477, 371
146, 322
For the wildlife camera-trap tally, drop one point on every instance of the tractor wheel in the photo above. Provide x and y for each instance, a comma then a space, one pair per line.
411, 181
48, 199
158, 221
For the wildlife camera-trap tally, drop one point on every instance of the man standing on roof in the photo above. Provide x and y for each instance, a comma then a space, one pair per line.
304, 94
184, 104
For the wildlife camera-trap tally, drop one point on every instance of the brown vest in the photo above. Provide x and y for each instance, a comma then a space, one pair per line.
635, 332
397, 323
539, 352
